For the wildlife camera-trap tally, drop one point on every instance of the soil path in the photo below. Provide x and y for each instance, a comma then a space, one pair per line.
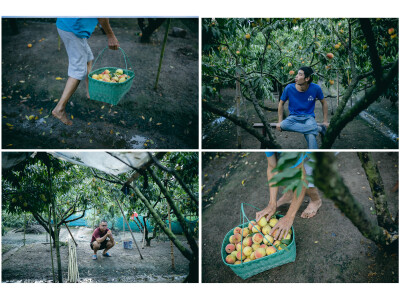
144, 118
358, 134
32, 263
329, 247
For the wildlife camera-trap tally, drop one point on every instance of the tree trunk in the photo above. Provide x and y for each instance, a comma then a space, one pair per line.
51, 249
378, 191
329, 181
51, 197
338, 122
147, 30
186, 253
238, 133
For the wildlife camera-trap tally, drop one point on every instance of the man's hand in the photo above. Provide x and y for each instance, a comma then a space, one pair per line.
113, 43
326, 124
268, 212
278, 126
282, 227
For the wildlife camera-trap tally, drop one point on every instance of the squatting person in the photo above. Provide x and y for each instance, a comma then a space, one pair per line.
102, 238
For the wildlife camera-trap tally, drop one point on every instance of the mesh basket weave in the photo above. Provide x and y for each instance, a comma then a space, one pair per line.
251, 268
109, 92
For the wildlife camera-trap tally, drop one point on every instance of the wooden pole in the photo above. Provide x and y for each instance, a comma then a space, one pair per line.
162, 52
172, 244
144, 238
238, 133
137, 247
24, 227
337, 89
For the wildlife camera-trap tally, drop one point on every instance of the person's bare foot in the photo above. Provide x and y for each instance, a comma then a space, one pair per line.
311, 209
62, 116
285, 199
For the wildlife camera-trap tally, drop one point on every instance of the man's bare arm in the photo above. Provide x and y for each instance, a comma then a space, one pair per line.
325, 111
273, 192
113, 43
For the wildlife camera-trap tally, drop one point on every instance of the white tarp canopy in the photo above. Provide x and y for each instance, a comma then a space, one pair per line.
109, 162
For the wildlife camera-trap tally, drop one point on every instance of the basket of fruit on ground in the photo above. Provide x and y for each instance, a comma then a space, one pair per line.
110, 84
249, 249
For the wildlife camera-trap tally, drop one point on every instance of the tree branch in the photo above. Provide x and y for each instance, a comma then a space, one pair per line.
177, 176
329, 181
242, 123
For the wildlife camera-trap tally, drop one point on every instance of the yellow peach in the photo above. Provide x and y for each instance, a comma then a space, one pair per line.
262, 222
260, 252
270, 250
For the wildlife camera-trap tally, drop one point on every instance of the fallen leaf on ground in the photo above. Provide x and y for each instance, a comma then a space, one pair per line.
243, 181
158, 124
72, 117
58, 78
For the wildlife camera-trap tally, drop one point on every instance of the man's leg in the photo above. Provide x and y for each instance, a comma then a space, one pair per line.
59, 111
285, 199
311, 141
315, 203
89, 68
110, 244
96, 247
311, 136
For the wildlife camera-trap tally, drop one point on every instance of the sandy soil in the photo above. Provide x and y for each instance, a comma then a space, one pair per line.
144, 118
329, 247
32, 263
358, 134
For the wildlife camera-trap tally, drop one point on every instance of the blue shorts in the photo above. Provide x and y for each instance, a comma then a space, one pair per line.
79, 54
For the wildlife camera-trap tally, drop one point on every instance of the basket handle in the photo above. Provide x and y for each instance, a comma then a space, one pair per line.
243, 215
123, 53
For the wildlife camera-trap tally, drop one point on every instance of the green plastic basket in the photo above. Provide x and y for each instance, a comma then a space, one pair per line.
109, 92
251, 268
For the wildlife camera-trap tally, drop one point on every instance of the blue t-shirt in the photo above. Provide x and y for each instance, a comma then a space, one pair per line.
81, 27
302, 103
303, 157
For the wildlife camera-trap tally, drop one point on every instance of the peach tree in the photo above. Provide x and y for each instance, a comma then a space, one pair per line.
261, 56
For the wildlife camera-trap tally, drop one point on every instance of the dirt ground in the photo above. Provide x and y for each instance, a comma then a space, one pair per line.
329, 247
144, 118
32, 263
358, 134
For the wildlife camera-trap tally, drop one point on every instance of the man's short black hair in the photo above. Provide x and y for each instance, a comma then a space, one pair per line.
307, 73
103, 221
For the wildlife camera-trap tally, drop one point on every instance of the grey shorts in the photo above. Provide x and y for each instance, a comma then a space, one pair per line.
79, 54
